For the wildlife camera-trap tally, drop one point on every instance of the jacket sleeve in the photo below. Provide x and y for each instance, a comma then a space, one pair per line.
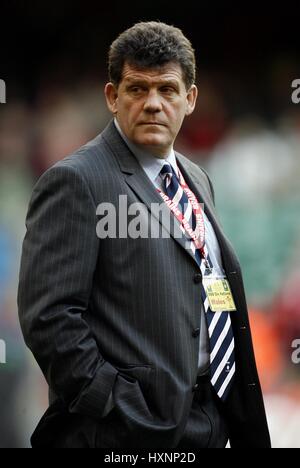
59, 258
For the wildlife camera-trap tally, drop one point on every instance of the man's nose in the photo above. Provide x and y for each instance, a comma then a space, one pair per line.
153, 102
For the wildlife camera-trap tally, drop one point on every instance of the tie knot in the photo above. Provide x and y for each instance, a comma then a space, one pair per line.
166, 171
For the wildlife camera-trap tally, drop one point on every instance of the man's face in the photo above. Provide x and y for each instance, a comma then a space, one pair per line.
150, 105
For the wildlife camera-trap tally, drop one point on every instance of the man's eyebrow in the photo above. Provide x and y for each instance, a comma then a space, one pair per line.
169, 82
161, 82
135, 81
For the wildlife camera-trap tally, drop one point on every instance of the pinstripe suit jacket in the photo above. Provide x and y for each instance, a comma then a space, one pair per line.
119, 314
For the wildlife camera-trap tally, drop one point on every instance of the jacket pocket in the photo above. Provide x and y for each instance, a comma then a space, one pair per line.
123, 426
139, 373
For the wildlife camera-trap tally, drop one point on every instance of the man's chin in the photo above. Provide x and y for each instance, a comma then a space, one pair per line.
156, 148
152, 142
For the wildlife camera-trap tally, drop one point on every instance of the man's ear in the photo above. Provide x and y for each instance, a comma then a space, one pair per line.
191, 99
111, 95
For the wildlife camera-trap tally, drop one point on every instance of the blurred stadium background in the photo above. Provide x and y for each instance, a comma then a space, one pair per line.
245, 132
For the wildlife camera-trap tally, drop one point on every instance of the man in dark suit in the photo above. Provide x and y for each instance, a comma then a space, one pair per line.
144, 340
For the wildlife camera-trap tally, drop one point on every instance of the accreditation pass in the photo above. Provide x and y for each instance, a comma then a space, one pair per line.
219, 294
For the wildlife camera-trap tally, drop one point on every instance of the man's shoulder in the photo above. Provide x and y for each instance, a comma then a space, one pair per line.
96, 156
191, 166
197, 172
90, 166
90, 161
87, 158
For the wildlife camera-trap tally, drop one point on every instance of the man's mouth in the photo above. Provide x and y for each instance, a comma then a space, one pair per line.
152, 123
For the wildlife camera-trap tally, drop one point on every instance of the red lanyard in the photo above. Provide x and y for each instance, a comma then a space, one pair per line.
198, 236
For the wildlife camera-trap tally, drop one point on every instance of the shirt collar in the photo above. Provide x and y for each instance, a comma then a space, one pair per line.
150, 163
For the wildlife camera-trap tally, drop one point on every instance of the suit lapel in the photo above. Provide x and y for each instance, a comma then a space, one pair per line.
141, 185
143, 188
229, 259
145, 191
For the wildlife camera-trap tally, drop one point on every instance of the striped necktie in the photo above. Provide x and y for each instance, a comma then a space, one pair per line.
221, 339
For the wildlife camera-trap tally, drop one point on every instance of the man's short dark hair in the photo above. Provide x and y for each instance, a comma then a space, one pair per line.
151, 45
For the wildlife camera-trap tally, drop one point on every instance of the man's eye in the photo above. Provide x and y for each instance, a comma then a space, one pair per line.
136, 89
168, 90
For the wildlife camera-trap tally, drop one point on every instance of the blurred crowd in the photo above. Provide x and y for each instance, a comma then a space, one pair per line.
254, 162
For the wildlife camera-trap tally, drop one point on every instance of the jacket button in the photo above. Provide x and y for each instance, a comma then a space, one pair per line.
195, 387
196, 332
198, 278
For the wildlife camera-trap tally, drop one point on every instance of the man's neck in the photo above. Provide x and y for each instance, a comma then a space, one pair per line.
149, 150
